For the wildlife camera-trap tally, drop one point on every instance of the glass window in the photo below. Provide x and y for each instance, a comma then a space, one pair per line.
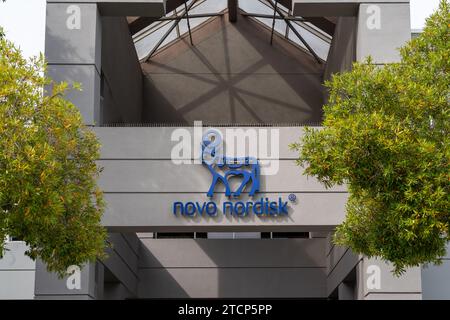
285, 235
146, 39
179, 235
234, 235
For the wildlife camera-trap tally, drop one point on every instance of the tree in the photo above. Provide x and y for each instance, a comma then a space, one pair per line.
48, 192
386, 136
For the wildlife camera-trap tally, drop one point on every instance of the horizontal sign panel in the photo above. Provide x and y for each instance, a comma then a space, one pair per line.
167, 142
165, 176
188, 212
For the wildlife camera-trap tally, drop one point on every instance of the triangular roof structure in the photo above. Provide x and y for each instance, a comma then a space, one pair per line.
312, 33
232, 74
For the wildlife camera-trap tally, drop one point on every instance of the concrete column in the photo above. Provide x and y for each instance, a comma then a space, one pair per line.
342, 52
73, 51
382, 29
99, 281
436, 279
233, 10
346, 291
78, 285
375, 281
16, 272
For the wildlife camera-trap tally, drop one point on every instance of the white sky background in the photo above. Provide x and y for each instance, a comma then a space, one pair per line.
24, 21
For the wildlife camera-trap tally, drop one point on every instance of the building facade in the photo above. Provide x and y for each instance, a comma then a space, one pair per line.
160, 78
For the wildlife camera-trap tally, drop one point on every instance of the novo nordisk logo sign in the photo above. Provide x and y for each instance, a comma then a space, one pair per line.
223, 169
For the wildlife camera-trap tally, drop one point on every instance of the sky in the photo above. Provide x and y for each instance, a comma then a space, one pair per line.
24, 21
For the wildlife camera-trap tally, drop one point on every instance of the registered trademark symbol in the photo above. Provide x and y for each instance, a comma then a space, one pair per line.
292, 197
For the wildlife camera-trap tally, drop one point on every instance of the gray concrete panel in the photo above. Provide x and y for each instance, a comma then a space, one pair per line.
16, 284
48, 284
122, 74
342, 52
436, 281
165, 176
329, 244
382, 30
332, 8
100, 280
14, 257
334, 257
325, 9
394, 296
135, 8
153, 213
409, 282
321, 235
143, 8
73, 34
121, 263
64, 297
17, 272
338, 274
133, 241
123, 250
232, 283
345, 291
121, 270
359, 285
231, 253
88, 99
155, 142
116, 291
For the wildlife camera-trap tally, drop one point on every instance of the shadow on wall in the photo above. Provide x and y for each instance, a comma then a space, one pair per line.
82, 73
279, 268
227, 268
122, 76
118, 82
232, 75
156, 108
155, 280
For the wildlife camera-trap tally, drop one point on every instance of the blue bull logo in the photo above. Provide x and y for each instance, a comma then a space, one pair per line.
214, 160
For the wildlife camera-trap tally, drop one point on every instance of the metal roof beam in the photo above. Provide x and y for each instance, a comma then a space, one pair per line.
142, 22
323, 24
177, 21
289, 24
